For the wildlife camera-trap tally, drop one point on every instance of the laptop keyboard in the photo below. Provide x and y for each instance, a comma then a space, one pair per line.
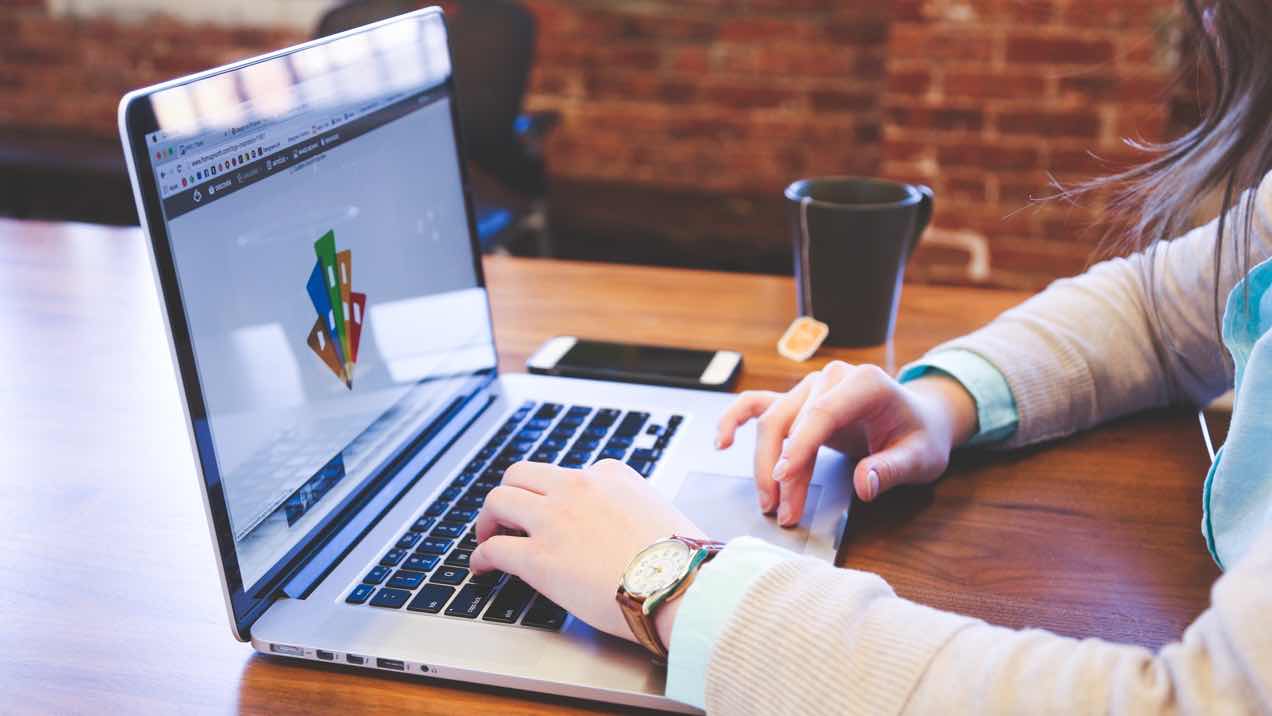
426, 570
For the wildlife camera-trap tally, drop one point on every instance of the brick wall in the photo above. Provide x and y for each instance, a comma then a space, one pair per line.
728, 95
987, 98
982, 99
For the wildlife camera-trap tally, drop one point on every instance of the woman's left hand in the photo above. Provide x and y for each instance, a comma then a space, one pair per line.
581, 528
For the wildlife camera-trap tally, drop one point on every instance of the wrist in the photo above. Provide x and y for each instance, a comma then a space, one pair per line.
954, 405
665, 621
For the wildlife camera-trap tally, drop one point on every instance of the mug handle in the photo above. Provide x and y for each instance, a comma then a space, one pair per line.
924, 216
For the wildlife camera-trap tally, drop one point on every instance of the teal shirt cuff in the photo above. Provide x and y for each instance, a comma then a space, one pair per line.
705, 609
995, 406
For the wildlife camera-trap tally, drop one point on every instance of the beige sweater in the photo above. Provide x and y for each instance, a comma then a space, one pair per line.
857, 648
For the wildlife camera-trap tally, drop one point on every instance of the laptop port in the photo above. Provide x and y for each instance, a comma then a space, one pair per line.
326, 655
395, 664
353, 659
287, 649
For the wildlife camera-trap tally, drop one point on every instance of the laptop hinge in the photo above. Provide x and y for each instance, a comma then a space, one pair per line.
457, 419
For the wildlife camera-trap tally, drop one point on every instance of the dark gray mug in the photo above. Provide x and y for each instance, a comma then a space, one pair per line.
852, 239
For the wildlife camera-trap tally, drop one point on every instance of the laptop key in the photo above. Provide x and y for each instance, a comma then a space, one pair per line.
570, 463
644, 467
408, 540
646, 454
450, 493
544, 456
390, 598
548, 410
421, 562
392, 557
447, 530
510, 602
471, 502
376, 575
606, 416
422, 524
538, 423
433, 546
360, 594
464, 480
469, 602
545, 614
449, 575
458, 558
553, 444
489, 579
431, 598
612, 453
470, 540
631, 424
406, 580
458, 515
619, 441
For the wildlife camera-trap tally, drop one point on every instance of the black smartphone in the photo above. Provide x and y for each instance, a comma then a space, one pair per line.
630, 363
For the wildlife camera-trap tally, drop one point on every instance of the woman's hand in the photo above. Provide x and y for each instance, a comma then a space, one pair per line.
581, 528
901, 433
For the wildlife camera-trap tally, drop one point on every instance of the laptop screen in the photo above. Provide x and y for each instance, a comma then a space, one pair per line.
315, 212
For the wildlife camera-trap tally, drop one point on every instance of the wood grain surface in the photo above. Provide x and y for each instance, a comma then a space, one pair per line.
110, 597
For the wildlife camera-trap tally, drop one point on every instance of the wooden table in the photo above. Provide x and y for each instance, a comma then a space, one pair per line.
110, 597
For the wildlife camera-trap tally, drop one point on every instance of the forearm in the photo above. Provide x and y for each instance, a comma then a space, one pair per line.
809, 638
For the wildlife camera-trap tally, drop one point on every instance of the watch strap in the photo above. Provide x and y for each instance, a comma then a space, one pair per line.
640, 616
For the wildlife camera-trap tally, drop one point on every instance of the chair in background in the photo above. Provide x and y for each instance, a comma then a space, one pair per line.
492, 43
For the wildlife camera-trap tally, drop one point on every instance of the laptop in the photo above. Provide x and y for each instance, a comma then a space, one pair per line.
313, 240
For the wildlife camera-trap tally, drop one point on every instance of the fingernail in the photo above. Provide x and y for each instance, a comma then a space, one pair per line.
766, 504
719, 443
784, 515
779, 470
872, 482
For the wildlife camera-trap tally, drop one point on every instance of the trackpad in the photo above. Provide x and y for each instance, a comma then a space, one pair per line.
725, 506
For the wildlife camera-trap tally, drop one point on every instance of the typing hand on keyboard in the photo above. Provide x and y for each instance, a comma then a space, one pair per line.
581, 528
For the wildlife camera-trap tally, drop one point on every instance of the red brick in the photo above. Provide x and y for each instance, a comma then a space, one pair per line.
843, 101
913, 82
988, 155
748, 95
767, 30
1055, 123
1103, 86
991, 84
943, 118
1058, 49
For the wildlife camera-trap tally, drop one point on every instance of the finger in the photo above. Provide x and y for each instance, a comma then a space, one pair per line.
770, 432
504, 553
749, 404
854, 398
792, 492
510, 508
900, 464
536, 477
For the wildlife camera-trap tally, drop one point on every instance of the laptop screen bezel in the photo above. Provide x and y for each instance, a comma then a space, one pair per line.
137, 120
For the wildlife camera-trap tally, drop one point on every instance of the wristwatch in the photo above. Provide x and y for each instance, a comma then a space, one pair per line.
659, 574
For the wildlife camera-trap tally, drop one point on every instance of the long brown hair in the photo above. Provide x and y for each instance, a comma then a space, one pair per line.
1228, 152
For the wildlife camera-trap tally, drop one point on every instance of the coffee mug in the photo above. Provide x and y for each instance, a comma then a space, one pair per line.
852, 238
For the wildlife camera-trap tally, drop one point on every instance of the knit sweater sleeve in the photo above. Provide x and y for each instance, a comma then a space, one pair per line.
1129, 334
808, 638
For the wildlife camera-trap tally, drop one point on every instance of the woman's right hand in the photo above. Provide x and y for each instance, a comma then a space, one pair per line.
900, 433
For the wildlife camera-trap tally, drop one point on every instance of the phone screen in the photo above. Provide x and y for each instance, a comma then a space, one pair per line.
596, 356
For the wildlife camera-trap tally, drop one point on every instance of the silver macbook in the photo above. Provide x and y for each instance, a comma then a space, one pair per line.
314, 244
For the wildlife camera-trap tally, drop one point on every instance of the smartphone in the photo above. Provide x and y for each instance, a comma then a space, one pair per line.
629, 363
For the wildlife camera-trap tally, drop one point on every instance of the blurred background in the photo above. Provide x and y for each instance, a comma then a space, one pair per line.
663, 131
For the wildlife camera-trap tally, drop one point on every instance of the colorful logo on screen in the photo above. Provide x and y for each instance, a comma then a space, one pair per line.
338, 328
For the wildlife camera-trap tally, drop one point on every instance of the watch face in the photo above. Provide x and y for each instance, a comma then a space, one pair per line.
658, 567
